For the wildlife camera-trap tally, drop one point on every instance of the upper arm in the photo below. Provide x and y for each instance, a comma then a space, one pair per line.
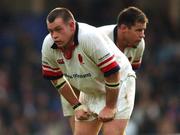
99, 52
50, 68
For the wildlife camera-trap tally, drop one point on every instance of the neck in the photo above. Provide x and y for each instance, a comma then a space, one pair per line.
67, 46
120, 43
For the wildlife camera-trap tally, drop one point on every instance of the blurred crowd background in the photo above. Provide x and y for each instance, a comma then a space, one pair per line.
29, 105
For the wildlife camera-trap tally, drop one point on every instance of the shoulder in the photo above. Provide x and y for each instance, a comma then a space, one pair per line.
87, 33
86, 29
90, 39
141, 45
48, 40
106, 28
47, 43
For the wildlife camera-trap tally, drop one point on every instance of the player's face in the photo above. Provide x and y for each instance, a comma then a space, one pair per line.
135, 34
61, 32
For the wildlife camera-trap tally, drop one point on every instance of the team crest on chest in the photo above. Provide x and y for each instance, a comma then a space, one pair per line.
80, 58
60, 61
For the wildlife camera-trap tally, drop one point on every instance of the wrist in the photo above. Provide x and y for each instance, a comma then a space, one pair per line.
80, 106
76, 105
111, 106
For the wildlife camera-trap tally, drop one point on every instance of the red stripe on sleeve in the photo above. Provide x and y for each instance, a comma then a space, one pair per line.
51, 73
109, 67
110, 58
45, 66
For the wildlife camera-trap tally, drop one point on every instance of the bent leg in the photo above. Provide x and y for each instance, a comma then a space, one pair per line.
115, 127
71, 120
87, 127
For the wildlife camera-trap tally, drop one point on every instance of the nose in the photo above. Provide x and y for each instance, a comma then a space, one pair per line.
142, 35
54, 35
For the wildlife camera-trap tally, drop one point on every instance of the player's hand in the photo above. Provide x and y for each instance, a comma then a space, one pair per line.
107, 114
82, 113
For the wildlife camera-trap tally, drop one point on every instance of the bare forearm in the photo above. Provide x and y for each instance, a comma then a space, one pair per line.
65, 89
68, 93
111, 97
112, 89
76, 91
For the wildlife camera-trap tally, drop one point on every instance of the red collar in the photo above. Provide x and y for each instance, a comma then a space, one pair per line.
68, 51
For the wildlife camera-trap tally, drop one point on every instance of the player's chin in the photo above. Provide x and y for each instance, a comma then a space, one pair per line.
136, 44
138, 41
59, 45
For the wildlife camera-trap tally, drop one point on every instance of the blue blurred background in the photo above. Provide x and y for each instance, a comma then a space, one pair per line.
29, 105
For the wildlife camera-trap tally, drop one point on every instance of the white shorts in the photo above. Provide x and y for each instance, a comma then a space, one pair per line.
66, 107
125, 103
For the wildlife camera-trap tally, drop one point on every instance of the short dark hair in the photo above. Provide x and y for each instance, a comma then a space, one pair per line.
61, 12
131, 15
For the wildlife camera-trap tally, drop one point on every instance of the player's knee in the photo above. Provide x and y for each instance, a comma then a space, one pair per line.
113, 132
84, 132
116, 127
78, 132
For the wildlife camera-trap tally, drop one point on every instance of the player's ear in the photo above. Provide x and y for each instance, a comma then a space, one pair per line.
123, 26
72, 25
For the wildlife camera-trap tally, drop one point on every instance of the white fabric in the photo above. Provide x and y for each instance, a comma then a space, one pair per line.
85, 69
135, 54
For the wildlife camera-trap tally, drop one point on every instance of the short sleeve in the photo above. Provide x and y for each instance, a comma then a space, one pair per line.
50, 69
97, 46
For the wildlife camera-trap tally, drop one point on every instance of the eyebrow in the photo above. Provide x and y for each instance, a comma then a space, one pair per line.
57, 27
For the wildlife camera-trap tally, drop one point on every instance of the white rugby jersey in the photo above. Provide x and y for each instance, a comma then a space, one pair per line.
94, 57
134, 54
